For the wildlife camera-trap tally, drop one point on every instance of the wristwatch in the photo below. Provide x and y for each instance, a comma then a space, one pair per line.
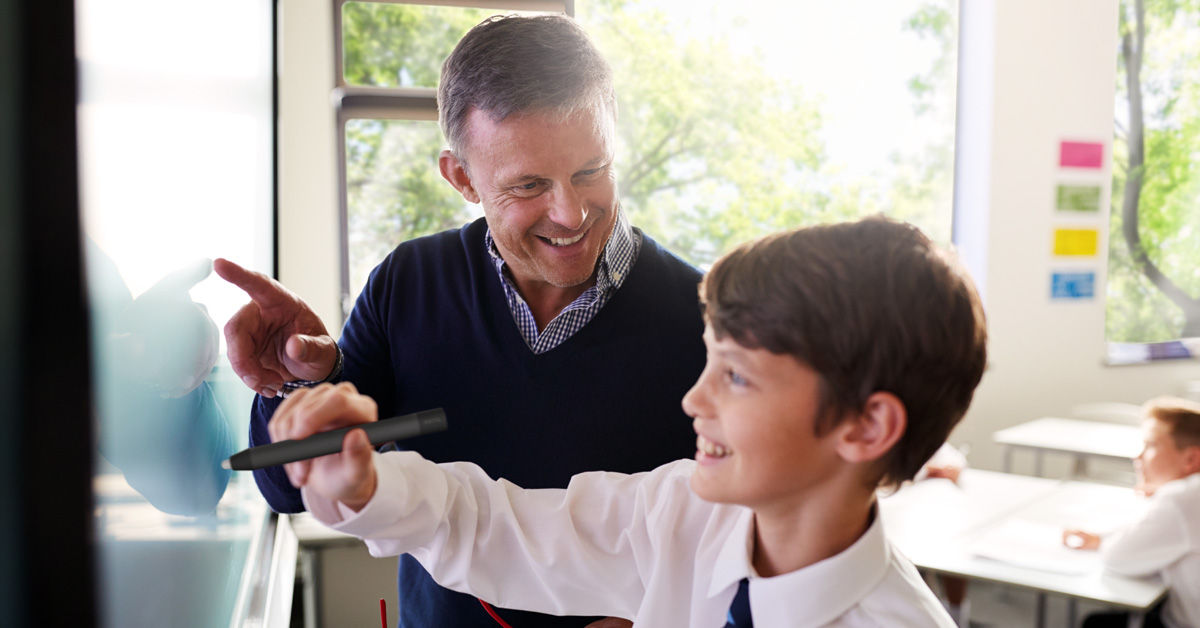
334, 376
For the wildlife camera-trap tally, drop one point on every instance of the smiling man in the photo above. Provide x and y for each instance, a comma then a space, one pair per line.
558, 338
549, 195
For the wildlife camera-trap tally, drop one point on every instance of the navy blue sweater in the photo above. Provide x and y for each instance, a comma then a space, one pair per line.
432, 329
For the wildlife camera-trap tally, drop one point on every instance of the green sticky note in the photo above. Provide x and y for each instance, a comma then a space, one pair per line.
1078, 198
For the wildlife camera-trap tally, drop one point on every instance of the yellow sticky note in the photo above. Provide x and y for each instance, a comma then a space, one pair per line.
1076, 241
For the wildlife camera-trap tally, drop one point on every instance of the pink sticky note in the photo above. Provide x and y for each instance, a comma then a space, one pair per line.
1081, 154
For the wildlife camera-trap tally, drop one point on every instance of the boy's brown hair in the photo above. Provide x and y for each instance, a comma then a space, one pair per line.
1181, 416
871, 306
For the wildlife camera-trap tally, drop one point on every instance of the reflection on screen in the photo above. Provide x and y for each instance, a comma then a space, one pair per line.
175, 143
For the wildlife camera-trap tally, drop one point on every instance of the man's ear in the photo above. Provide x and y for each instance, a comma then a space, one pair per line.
455, 172
873, 433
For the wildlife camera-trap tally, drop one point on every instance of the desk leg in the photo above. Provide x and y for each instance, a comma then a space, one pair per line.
1080, 470
1037, 463
1041, 610
1135, 620
1008, 454
1072, 612
310, 572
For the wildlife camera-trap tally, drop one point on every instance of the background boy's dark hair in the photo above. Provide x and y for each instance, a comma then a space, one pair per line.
871, 306
1180, 415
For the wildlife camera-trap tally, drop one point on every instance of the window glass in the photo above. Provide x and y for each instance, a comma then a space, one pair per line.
1154, 241
394, 191
175, 164
401, 45
735, 119
738, 118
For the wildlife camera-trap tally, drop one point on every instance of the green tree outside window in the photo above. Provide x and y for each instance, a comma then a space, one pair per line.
1154, 243
713, 150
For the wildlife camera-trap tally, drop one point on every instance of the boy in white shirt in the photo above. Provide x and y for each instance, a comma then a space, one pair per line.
839, 358
1166, 539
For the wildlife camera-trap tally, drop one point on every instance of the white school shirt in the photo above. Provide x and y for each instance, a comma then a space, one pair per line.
639, 546
1165, 541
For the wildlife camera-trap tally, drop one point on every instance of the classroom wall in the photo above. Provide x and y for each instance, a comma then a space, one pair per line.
308, 198
351, 580
1054, 73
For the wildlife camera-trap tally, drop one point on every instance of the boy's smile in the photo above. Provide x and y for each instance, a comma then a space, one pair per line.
706, 450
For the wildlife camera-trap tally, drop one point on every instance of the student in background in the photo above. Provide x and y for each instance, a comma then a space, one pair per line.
816, 391
1166, 539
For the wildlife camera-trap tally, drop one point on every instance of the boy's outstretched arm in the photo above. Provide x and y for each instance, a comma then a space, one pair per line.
583, 550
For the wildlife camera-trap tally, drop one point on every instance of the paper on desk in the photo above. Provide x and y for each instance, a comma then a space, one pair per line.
1033, 545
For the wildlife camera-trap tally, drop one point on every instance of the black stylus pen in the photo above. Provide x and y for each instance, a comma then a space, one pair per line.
330, 442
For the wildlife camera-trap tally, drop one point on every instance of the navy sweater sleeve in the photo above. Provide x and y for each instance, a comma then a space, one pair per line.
272, 482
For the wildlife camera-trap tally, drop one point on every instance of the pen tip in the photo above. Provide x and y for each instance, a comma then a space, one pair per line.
225, 464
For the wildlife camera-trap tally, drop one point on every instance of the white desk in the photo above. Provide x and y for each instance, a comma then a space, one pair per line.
1006, 529
1077, 437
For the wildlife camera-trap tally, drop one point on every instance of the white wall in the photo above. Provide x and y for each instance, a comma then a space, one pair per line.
308, 201
1054, 73
352, 581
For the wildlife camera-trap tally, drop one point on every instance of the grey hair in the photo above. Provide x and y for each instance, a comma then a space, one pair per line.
513, 64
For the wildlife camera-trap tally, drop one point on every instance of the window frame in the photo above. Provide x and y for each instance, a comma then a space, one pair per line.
1121, 353
356, 102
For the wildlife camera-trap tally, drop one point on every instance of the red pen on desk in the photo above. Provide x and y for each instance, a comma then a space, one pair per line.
383, 612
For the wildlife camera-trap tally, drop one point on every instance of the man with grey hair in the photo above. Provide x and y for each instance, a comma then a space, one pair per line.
558, 338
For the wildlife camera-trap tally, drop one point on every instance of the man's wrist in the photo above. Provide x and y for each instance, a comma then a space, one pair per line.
335, 375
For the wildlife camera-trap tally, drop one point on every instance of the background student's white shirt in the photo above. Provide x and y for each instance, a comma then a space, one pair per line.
946, 456
1166, 540
639, 546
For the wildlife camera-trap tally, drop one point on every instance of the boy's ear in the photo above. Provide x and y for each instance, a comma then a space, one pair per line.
1191, 460
455, 171
873, 433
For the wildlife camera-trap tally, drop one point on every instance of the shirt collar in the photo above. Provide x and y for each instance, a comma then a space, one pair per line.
1186, 483
830, 587
615, 261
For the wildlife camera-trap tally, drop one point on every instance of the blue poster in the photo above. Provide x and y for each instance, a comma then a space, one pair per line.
1073, 285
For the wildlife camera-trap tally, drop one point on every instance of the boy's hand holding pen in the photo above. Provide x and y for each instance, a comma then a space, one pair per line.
336, 427
348, 476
